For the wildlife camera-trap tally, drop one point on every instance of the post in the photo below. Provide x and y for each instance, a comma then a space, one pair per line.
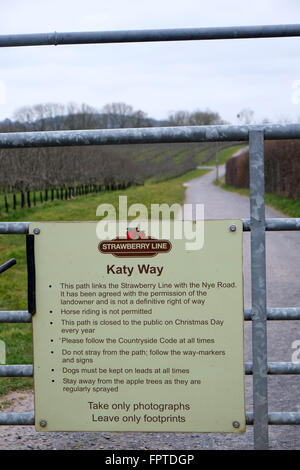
258, 282
217, 162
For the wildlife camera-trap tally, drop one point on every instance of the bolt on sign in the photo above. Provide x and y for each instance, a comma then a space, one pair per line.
137, 333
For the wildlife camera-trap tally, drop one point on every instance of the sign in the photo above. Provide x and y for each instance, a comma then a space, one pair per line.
138, 334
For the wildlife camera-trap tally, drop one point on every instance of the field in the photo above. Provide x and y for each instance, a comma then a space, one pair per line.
225, 154
13, 286
207, 156
31, 176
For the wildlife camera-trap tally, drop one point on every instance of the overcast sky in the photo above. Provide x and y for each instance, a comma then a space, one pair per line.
159, 78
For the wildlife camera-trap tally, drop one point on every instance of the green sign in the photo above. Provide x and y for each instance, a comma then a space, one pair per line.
137, 333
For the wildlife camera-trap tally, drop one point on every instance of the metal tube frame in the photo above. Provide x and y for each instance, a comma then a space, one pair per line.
258, 288
150, 35
273, 368
257, 224
146, 135
259, 314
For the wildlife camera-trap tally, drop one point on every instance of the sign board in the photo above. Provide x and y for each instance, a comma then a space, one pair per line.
145, 336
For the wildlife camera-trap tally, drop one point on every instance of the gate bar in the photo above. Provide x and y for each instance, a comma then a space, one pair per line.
274, 368
14, 228
146, 135
276, 224
19, 370
274, 418
288, 313
15, 316
258, 289
150, 35
280, 418
17, 419
279, 224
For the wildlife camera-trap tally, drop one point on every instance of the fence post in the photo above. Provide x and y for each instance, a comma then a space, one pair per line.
217, 162
258, 288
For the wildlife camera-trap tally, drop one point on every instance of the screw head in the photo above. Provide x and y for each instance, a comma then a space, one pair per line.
43, 423
236, 424
232, 228
36, 231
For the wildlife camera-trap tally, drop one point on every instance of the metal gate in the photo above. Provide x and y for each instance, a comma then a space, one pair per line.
259, 314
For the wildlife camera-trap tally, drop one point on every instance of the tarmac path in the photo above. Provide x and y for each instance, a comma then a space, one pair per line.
283, 290
283, 274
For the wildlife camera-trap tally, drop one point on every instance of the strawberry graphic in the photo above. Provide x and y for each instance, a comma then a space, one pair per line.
131, 233
134, 233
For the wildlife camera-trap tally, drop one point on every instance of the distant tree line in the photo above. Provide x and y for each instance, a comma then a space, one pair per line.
195, 118
56, 116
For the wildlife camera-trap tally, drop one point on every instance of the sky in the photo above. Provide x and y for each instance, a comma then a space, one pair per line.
158, 78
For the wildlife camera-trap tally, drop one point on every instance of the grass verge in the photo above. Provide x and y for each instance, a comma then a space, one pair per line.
13, 285
289, 207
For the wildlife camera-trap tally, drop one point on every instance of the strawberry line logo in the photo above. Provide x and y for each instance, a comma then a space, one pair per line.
135, 233
136, 244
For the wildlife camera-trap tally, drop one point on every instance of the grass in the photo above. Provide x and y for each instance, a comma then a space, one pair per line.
13, 286
225, 154
287, 206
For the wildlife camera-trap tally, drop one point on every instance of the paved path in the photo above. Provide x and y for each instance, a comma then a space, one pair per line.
283, 248
283, 290
283, 274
